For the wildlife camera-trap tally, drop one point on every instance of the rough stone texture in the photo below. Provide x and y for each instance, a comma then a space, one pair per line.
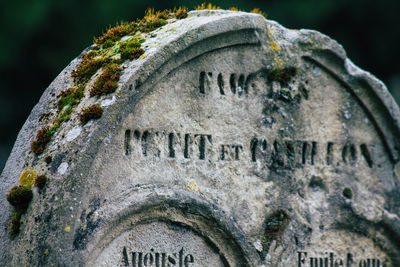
233, 142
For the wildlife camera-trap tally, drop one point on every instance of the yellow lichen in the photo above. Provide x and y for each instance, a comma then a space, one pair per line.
67, 228
27, 177
278, 63
192, 185
275, 46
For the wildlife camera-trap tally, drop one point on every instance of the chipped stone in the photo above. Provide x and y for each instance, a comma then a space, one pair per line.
108, 102
257, 244
62, 169
73, 133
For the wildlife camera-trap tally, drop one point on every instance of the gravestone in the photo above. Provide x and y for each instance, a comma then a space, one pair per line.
232, 141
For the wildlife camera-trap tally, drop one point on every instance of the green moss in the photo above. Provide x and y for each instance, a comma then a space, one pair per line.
43, 136
70, 97
107, 51
64, 115
90, 55
20, 196
87, 68
107, 82
165, 14
151, 24
181, 13
130, 49
53, 128
347, 192
16, 222
48, 159
283, 76
152, 20
274, 225
208, 6
40, 181
92, 112
108, 43
115, 33
258, 11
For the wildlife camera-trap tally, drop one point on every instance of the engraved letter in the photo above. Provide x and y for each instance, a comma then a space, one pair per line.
202, 80
127, 142
189, 259
301, 260
202, 144
125, 257
220, 81
366, 154
349, 262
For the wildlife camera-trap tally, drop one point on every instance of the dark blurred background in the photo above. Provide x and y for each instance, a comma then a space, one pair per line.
38, 38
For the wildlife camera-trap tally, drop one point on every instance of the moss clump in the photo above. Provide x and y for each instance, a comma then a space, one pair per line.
64, 115
43, 136
151, 24
70, 97
40, 181
16, 222
20, 196
274, 225
347, 192
108, 43
89, 113
258, 11
115, 33
107, 82
130, 49
283, 76
207, 6
87, 68
165, 14
48, 159
131, 53
152, 20
233, 9
53, 128
181, 13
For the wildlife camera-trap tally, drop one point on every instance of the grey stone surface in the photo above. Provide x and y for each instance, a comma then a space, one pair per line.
230, 143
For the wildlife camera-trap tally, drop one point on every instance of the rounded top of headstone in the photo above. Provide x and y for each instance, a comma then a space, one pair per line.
247, 142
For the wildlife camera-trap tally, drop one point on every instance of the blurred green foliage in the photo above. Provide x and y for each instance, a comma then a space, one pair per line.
38, 38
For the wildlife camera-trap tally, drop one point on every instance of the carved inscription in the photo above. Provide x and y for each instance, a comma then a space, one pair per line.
277, 84
272, 153
238, 83
330, 259
157, 259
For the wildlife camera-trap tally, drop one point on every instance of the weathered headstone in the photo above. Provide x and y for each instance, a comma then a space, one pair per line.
231, 141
